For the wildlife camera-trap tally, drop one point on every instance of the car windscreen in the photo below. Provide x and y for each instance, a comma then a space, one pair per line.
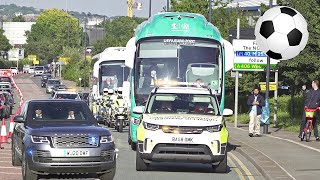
53, 81
58, 112
66, 96
40, 68
183, 104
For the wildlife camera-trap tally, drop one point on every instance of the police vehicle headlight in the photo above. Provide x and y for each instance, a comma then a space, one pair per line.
106, 139
215, 128
149, 126
135, 121
40, 139
120, 109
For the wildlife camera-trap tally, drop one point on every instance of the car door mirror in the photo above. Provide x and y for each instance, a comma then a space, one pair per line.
138, 109
227, 112
18, 119
99, 119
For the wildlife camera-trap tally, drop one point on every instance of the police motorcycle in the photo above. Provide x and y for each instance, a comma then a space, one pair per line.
110, 101
120, 120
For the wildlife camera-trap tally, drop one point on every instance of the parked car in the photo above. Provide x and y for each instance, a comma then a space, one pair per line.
38, 70
6, 79
66, 95
51, 83
46, 141
31, 70
26, 68
14, 70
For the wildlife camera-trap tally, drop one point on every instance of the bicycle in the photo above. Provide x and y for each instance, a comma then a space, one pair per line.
306, 133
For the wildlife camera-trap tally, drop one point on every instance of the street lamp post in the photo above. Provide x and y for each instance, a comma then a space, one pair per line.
150, 5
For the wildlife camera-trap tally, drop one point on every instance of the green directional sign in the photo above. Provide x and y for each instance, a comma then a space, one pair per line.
252, 67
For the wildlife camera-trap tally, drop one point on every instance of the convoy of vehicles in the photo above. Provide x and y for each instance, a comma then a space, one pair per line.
172, 80
47, 141
175, 47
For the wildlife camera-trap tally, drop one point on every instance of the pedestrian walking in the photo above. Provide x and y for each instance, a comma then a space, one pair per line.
255, 103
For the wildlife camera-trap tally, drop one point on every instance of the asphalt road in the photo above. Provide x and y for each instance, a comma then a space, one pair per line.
239, 167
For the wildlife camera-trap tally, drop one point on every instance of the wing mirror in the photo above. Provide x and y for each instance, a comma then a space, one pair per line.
138, 109
227, 112
99, 119
18, 119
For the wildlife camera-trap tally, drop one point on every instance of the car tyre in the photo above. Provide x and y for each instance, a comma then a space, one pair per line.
133, 146
120, 128
140, 164
27, 174
15, 159
222, 167
109, 175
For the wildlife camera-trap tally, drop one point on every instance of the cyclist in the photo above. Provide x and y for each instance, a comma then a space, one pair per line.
312, 101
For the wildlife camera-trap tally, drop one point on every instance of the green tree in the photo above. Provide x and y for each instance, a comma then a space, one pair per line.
4, 42
118, 32
304, 68
54, 29
18, 19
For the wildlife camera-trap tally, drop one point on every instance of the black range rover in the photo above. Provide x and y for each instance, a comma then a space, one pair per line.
61, 136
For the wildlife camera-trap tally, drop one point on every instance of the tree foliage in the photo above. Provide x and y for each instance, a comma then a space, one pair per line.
19, 18
4, 42
304, 68
54, 29
118, 32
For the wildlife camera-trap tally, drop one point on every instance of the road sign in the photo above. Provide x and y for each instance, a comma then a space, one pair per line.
64, 60
272, 86
33, 58
249, 57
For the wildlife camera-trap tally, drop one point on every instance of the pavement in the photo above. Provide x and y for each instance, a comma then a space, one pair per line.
279, 154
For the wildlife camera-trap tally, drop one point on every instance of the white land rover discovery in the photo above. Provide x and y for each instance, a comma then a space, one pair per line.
182, 124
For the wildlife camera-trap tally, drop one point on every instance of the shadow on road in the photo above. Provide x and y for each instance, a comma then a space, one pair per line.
182, 167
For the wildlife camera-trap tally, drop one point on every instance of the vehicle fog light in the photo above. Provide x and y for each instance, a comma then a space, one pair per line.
29, 152
117, 152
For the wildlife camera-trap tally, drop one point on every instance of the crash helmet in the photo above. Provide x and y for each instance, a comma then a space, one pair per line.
119, 90
110, 92
105, 90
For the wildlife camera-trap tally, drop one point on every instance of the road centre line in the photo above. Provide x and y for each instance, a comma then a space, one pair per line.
241, 177
243, 167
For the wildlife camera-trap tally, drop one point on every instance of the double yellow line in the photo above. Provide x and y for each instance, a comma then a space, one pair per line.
242, 166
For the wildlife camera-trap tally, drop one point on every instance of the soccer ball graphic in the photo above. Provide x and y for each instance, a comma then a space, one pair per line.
281, 33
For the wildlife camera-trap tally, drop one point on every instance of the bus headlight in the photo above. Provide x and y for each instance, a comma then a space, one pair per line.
135, 121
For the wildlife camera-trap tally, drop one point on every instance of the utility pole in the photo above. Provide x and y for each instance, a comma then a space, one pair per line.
85, 52
265, 126
168, 5
150, 5
210, 9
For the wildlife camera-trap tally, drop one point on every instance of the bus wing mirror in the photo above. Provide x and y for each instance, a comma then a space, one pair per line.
228, 55
130, 52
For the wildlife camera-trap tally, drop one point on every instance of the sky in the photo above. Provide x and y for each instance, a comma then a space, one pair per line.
103, 7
